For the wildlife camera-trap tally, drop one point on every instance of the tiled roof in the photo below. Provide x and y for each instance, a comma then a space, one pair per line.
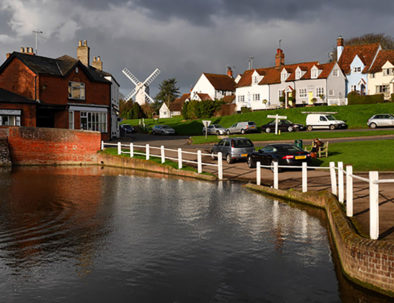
59, 67
204, 97
9, 97
326, 69
228, 99
177, 104
383, 56
221, 82
365, 52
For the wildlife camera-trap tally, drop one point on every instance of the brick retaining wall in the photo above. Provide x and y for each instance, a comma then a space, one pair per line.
48, 146
367, 262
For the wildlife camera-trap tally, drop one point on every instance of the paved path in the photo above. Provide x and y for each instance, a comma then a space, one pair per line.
317, 179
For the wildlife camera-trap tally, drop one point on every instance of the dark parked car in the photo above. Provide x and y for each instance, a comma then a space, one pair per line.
283, 126
233, 149
284, 154
126, 129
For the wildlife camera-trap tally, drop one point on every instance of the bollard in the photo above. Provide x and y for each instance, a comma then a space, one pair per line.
258, 173
304, 177
276, 177
102, 145
333, 179
341, 187
131, 150
373, 205
199, 162
179, 158
147, 151
119, 148
163, 155
349, 191
220, 166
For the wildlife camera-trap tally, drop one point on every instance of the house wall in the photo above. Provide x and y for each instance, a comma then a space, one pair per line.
164, 112
248, 92
19, 79
378, 79
203, 86
338, 86
310, 86
353, 78
274, 92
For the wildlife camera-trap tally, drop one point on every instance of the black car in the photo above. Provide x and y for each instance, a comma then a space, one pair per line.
284, 154
283, 126
126, 129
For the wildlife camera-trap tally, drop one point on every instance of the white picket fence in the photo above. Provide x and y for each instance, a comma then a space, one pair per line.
338, 187
130, 149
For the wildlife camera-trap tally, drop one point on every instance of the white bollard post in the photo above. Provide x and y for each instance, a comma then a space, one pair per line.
102, 145
349, 191
333, 179
179, 158
276, 175
199, 162
162, 153
147, 152
258, 173
304, 177
220, 166
131, 150
373, 205
341, 188
119, 148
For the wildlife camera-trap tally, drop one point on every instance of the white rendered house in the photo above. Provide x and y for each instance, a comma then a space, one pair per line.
381, 75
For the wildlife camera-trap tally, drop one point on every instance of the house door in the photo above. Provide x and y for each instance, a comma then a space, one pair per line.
45, 117
362, 89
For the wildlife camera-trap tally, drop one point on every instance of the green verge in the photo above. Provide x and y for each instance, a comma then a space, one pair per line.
356, 116
298, 135
114, 152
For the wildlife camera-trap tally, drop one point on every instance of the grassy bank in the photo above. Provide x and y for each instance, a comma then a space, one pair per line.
356, 116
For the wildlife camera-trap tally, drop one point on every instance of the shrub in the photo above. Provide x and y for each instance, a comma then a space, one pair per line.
245, 109
356, 98
392, 97
200, 109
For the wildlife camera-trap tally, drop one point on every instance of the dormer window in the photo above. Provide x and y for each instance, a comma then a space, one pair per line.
298, 74
388, 71
283, 76
255, 79
314, 73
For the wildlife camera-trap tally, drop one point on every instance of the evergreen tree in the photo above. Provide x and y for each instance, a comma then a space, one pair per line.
168, 91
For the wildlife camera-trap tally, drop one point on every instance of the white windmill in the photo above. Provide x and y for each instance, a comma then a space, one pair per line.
141, 90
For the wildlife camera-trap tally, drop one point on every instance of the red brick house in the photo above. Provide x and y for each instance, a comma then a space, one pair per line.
60, 93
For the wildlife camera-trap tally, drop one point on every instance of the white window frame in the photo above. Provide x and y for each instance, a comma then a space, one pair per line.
382, 89
71, 119
303, 93
95, 120
241, 98
319, 91
353, 88
78, 88
357, 69
283, 76
256, 97
298, 74
331, 92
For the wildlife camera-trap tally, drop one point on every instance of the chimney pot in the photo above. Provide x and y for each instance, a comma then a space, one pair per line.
229, 72
22, 49
8, 55
80, 43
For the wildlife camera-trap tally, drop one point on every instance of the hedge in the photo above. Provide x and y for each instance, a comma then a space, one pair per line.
356, 98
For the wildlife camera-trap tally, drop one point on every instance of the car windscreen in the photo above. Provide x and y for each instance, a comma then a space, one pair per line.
251, 123
289, 149
243, 143
166, 126
330, 117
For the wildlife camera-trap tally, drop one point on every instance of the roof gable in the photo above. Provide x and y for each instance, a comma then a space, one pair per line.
365, 52
384, 56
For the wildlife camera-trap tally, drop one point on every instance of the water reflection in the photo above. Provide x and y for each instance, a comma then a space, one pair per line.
92, 234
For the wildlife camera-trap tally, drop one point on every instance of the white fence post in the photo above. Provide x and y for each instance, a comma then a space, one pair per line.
179, 158
304, 177
349, 191
220, 166
147, 152
276, 177
258, 173
341, 188
162, 153
199, 162
119, 148
333, 179
373, 205
131, 150
102, 145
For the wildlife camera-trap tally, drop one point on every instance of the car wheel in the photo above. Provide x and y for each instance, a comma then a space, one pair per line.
290, 129
242, 131
309, 128
332, 127
218, 133
251, 162
372, 125
228, 133
228, 159
267, 130
213, 156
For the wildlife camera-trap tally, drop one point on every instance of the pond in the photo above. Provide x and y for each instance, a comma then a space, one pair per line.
91, 234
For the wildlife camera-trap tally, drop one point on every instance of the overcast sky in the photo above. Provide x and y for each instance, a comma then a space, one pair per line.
185, 38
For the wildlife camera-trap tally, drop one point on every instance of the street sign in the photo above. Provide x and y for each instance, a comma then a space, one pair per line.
206, 123
277, 118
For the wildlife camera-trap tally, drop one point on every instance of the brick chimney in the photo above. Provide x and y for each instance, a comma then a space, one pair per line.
97, 63
27, 50
279, 58
229, 72
340, 47
83, 52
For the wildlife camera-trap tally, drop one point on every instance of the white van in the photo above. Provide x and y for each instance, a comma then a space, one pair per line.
323, 121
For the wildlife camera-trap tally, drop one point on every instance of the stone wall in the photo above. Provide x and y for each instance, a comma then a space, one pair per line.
5, 159
48, 146
365, 261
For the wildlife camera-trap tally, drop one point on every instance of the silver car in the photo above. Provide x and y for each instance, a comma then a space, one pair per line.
162, 130
233, 149
381, 120
214, 129
242, 128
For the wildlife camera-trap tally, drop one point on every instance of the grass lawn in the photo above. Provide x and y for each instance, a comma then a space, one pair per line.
356, 116
297, 135
362, 155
